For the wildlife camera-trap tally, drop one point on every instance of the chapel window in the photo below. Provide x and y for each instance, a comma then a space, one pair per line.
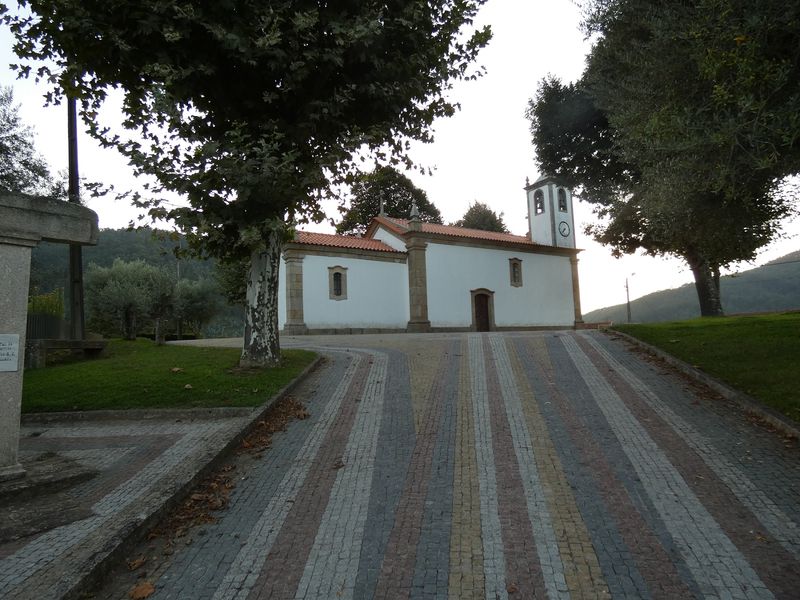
538, 202
337, 283
562, 200
515, 271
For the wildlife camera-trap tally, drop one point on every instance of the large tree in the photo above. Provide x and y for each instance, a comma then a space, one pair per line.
22, 169
480, 216
681, 128
385, 187
253, 109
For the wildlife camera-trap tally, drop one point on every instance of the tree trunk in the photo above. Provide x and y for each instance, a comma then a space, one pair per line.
129, 324
159, 331
706, 282
261, 340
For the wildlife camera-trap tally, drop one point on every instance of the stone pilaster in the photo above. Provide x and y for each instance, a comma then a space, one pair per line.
24, 221
417, 286
576, 290
15, 261
295, 321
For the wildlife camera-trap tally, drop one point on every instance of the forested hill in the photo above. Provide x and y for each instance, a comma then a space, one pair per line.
49, 262
771, 287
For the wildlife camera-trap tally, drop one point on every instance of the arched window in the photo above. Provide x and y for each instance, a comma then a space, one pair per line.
337, 283
562, 200
515, 272
538, 202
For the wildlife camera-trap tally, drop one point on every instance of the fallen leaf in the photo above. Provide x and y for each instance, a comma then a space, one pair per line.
512, 588
188, 386
338, 464
141, 591
136, 563
176, 369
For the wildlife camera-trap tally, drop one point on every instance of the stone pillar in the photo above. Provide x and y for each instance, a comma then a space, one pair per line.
295, 323
417, 286
576, 290
24, 221
15, 263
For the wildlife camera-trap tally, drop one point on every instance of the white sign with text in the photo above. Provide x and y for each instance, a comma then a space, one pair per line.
9, 352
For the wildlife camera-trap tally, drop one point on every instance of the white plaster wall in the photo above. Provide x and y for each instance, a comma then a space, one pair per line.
377, 294
389, 239
545, 297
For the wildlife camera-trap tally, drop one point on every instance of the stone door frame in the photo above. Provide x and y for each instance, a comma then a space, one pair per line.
490, 306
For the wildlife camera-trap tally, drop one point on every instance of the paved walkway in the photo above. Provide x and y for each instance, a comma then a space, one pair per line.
514, 465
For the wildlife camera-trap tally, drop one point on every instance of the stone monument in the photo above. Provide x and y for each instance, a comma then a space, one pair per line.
24, 222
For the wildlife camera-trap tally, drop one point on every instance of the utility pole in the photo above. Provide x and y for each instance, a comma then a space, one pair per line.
76, 313
628, 296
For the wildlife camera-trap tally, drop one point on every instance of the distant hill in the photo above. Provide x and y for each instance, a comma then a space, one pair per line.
772, 287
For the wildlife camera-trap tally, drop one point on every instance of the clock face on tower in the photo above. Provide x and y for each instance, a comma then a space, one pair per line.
563, 228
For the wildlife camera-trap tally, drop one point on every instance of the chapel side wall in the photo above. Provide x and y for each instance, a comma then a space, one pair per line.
377, 294
544, 299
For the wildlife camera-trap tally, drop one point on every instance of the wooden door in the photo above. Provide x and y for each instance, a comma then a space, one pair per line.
482, 312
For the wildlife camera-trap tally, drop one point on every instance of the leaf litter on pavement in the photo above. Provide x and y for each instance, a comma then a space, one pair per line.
209, 497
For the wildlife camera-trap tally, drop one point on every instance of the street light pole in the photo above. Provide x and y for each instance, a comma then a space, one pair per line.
628, 298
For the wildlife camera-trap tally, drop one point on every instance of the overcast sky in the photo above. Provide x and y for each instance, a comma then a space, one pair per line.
483, 153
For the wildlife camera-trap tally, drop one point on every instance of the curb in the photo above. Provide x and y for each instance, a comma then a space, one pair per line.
141, 414
134, 531
747, 403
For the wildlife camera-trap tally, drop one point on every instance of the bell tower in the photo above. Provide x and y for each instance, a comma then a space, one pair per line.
550, 217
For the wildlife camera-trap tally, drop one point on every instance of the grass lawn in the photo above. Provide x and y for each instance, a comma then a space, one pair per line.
142, 375
758, 355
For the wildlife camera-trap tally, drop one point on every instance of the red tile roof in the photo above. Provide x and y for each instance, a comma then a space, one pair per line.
402, 225
341, 241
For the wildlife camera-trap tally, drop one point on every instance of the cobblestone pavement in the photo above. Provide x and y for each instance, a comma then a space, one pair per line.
140, 465
502, 465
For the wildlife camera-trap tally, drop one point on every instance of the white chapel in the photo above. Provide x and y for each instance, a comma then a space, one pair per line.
405, 275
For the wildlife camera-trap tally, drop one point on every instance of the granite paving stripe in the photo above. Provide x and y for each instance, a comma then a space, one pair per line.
423, 362
433, 556
754, 451
333, 561
191, 574
397, 569
283, 567
25, 574
635, 562
778, 568
780, 526
515, 423
520, 546
582, 571
466, 552
244, 570
717, 565
396, 445
494, 561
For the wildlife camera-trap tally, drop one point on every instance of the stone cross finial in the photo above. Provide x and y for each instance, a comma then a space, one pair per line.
414, 211
527, 181
382, 212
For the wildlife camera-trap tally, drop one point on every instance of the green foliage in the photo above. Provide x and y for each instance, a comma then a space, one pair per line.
480, 216
21, 167
756, 355
195, 303
681, 129
253, 110
253, 113
127, 293
140, 375
231, 276
51, 303
397, 192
